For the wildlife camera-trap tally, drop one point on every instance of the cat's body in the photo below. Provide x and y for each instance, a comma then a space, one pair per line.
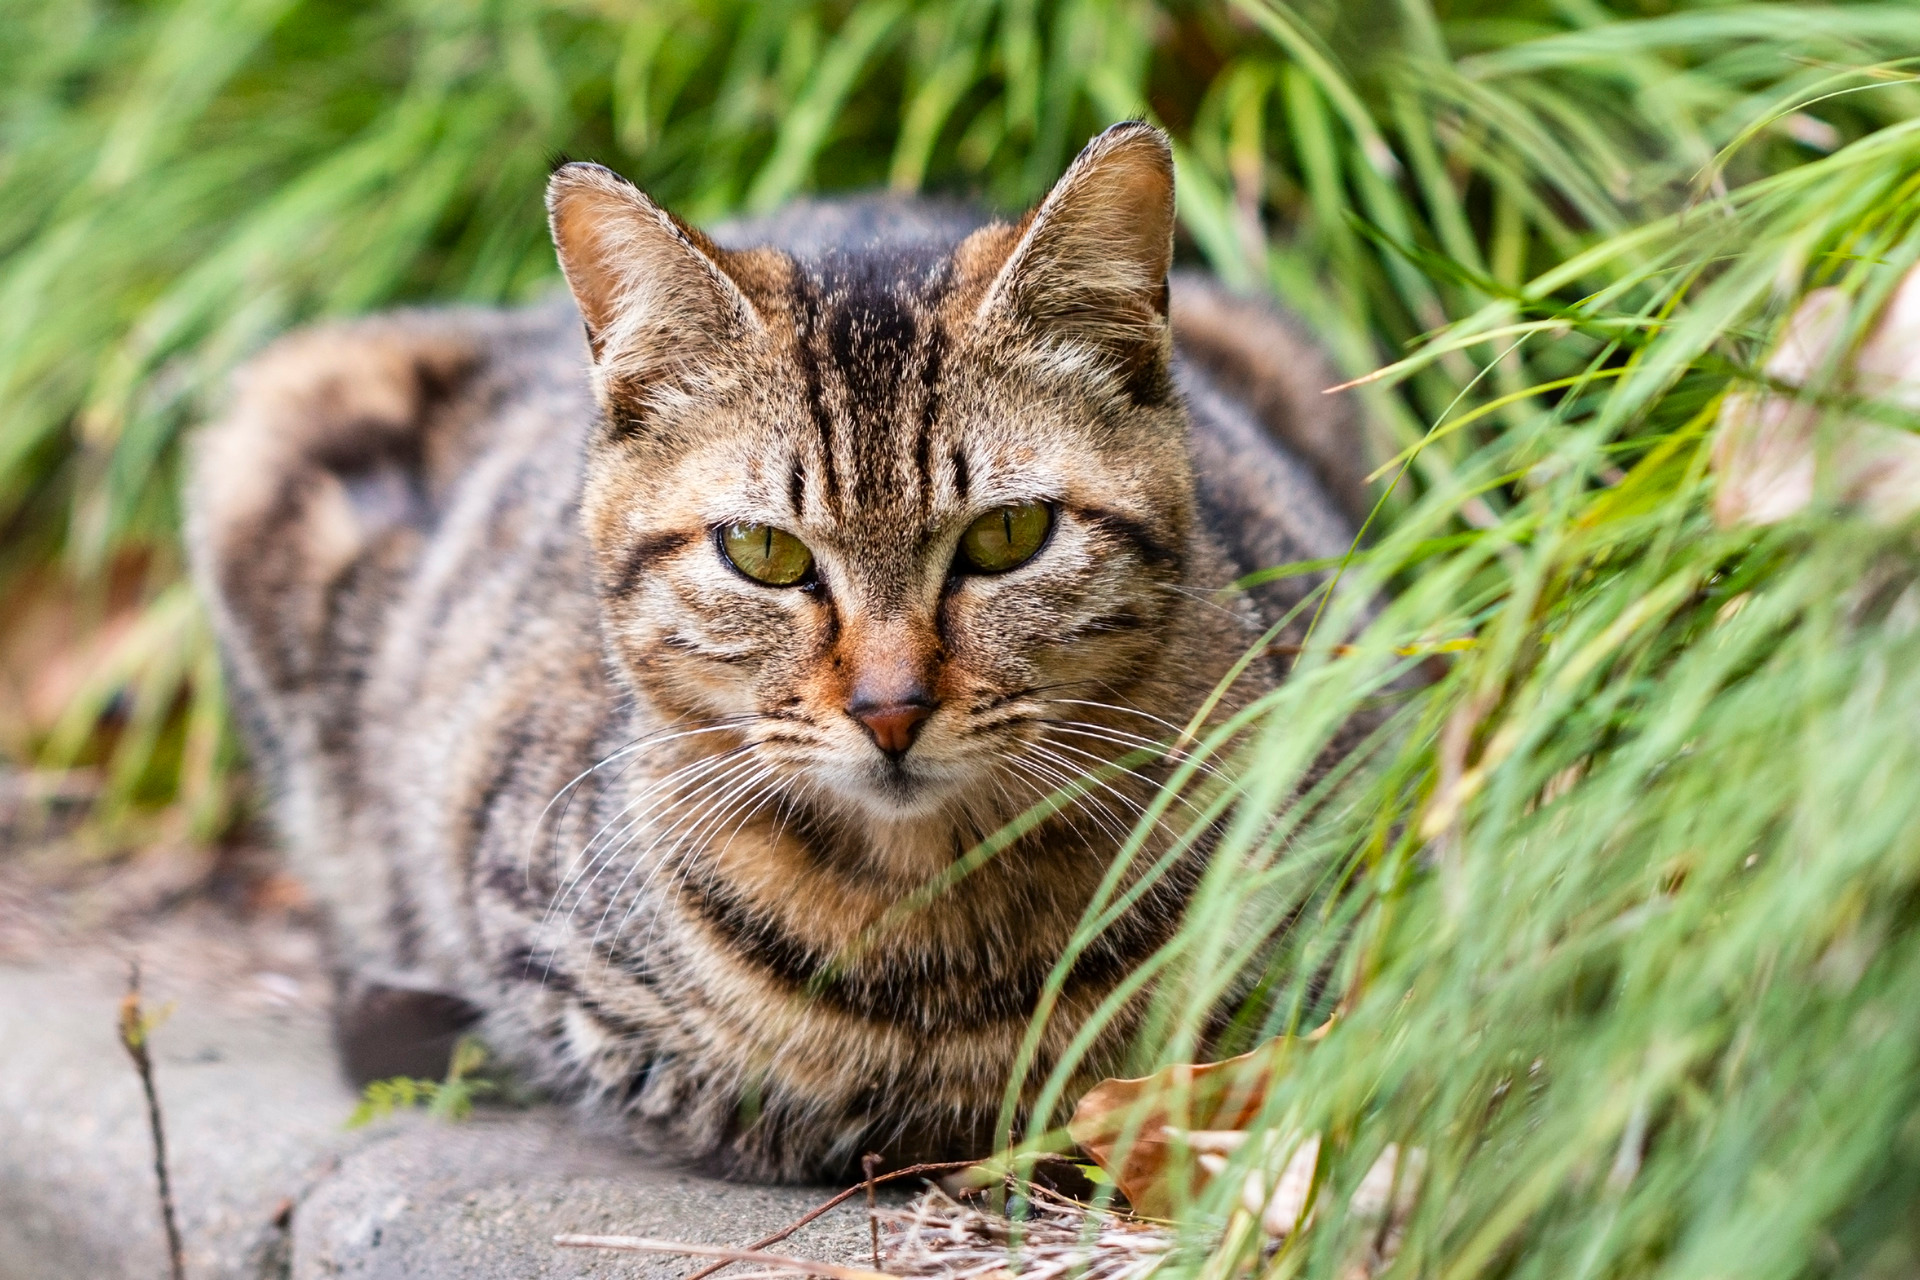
534, 740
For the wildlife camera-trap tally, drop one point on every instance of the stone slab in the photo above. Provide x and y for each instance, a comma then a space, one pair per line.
268, 1181
251, 1103
484, 1200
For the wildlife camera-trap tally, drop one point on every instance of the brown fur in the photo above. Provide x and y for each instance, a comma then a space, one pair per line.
537, 744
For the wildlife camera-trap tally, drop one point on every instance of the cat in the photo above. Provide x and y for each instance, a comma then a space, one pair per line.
621, 666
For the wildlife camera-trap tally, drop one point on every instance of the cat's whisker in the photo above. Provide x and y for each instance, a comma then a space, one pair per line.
1140, 809
655, 788
720, 773
1160, 747
1098, 768
1017, 770
680, 856
1011, 713
1091, 803
1089, 771
1178, 730
1081, 790
655, 785
741, 764
755, 799
1007, 718
1171, 752
696, 833
630, 748
660, 792
718, 796
1247, 617
1130, 743
1078, 682
1011, 805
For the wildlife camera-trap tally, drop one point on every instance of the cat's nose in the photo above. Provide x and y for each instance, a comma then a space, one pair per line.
894, 725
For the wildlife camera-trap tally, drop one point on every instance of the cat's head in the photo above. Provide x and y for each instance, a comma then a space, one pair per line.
889, 513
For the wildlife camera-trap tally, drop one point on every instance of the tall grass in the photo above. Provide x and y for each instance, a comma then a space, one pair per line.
1622, 924
1616, 922
1617, 915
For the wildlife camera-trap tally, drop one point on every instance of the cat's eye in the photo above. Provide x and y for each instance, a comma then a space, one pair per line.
1005, 537
766, 554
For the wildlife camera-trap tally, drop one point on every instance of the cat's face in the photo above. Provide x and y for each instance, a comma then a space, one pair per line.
889, 518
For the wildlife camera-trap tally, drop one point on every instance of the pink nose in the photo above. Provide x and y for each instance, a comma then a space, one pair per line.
893, 725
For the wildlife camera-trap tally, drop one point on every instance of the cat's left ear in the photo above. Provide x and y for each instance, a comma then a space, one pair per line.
658, 306
1090, 268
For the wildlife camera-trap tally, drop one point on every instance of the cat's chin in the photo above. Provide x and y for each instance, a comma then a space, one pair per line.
894, 791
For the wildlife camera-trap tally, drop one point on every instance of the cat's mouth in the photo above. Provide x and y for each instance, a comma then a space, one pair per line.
896, 788
897, 783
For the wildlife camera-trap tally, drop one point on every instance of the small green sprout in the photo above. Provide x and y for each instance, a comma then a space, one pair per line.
450, 1099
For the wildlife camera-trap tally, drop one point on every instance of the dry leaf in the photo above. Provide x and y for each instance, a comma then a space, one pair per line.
1142, 1131
1767, 449
1164, 1137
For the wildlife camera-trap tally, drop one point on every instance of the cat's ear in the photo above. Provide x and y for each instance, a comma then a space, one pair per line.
1090, 266
656, 302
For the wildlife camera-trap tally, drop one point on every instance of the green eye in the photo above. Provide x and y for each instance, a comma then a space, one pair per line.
1005, 537
766, 554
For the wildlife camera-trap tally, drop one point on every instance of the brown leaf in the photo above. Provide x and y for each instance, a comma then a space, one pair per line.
1147, 1133
1164, 1137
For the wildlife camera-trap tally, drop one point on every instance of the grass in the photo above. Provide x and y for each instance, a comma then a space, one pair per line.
1618, 915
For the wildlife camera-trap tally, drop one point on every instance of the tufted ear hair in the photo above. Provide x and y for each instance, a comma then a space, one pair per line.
657, 304
1090, 267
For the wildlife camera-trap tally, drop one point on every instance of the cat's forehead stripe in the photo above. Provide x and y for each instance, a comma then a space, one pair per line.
797, 487
805, 316
871, 352
930, 362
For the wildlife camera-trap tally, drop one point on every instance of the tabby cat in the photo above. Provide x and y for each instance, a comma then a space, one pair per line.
624, 688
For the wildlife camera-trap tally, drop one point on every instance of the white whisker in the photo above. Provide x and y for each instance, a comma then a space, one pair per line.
718, 773
625, 751
659, 792
1080, 791
738, 778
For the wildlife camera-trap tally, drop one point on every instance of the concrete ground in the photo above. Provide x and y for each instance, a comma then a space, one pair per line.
268, 1180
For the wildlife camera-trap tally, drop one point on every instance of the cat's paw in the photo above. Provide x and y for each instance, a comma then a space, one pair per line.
387, 1031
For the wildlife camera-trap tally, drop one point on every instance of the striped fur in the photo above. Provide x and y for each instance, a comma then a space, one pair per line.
533, 741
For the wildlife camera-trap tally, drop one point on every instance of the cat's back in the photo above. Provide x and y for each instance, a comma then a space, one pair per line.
384, 525
356, 458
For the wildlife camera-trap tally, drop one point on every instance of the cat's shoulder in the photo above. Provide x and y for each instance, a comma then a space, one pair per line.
1265, 360
393, 387
340, 445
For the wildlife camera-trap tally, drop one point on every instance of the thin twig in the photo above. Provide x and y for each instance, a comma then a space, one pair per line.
870, 1163
940, 1166
133, 1035
640, 1244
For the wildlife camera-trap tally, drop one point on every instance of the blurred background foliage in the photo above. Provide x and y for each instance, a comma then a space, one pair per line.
1620, 915
181, 180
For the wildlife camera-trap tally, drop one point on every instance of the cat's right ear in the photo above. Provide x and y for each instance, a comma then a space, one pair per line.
1088, 274
657, 305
